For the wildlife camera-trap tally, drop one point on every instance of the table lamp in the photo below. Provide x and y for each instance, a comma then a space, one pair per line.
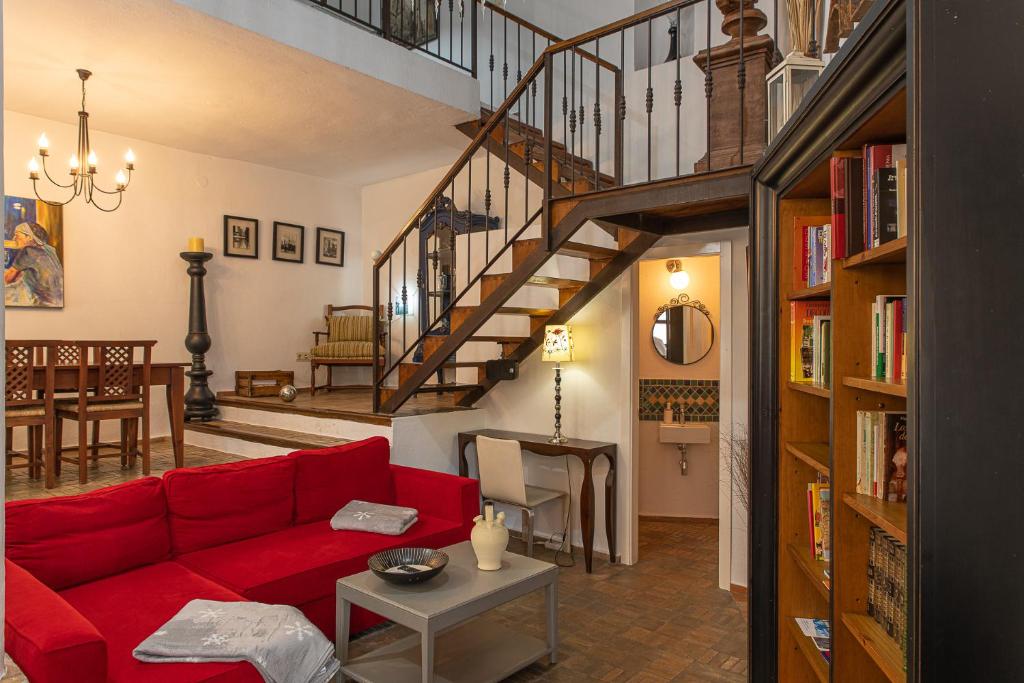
558, 348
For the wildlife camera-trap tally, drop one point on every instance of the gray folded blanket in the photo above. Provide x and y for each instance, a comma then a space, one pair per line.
277, 639
377, 518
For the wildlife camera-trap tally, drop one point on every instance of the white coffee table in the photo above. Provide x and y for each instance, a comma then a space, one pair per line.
451, 645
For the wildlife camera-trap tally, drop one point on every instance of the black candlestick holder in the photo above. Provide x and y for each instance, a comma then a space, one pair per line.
199, 399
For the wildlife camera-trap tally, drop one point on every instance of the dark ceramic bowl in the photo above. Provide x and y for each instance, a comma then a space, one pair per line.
405, 565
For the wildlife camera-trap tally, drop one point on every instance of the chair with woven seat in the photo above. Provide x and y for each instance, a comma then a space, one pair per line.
350, 341
28, 401
503, 480
115, 394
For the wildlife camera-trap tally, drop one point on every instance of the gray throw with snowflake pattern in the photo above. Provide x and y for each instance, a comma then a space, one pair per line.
277, 639
375, 518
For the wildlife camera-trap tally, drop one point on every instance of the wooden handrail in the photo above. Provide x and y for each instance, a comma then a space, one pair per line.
529, 26
622, 24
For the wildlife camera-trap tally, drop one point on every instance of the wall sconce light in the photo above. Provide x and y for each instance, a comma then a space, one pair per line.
678, 278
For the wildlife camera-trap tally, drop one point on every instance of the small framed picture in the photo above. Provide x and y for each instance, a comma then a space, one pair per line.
241, 237
289, 242
330, 247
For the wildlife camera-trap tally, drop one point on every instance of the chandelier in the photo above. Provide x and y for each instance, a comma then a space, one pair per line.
83, 164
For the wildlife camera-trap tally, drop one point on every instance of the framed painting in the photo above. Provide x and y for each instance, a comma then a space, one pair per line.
241, 237
289, 242
330, 247
33, 254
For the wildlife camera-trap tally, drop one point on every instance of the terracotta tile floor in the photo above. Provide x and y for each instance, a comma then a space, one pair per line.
663, 619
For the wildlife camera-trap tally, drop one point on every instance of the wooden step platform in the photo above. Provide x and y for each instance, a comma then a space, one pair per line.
269, 436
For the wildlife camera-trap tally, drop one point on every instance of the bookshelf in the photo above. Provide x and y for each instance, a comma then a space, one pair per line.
814, 432
818, 435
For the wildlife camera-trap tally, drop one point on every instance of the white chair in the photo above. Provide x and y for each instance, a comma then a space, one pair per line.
502, 480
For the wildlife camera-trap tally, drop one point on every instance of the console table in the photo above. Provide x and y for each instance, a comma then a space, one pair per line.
587, 452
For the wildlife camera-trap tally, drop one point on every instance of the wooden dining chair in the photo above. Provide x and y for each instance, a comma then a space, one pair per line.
109, 390
29, 402
67, 356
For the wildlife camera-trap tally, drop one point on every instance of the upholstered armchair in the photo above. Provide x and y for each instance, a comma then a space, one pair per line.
349, 340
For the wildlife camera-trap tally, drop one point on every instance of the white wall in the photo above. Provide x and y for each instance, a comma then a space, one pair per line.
124, 278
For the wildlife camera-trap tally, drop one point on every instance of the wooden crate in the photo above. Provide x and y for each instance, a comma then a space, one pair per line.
252, 383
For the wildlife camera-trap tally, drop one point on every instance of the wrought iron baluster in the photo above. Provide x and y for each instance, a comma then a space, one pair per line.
597, 114
620, 114
741, 77
405, 292
527, 154
451, 31
565, 110
490, 63
487, 200
533, 85
708, 82
451, 282
504, 66
462, 31
506, 178
572, 124
391, 290
678, 95
583, 116
650, 100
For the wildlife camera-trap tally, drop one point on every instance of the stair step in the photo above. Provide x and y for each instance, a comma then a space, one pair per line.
525, 310
270, 436
406, 370
555, 282
573, 249
445, 388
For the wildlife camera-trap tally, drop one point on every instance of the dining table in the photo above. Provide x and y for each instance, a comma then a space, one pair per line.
169, 375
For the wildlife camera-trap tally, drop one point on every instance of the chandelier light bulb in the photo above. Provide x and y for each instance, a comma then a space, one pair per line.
120, 179
33, 169
679, 279
92, 159
74, 162
44, 143
129, 156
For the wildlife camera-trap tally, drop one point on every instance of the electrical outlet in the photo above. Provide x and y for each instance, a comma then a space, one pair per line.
302, 355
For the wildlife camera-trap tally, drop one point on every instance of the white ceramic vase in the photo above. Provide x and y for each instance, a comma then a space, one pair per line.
489, 538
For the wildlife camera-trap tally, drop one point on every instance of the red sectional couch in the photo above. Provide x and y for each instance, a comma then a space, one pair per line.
90, 576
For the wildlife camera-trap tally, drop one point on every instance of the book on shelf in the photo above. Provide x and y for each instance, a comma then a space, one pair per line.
844, 165
821, 349
882, 455
819, 516
887, 586
820, 633
880, 192
802, 338
889, 337
901, 198
812, 251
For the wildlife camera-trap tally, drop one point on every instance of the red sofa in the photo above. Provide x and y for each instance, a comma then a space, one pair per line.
90, 576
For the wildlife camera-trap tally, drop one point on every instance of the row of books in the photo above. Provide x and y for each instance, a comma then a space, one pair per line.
889, 338
882, 455
887, 585
820, 633
810, 336
813, 254
868, 190
819, 518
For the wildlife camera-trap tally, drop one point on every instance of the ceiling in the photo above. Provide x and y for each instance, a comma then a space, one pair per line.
174, 76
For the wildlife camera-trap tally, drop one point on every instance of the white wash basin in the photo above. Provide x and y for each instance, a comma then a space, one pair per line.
688, 432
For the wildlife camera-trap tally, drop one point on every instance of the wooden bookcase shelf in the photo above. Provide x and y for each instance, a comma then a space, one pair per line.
808, 652
818, 437
892, 517
890, 252
892, 387
819, 390
822, 291
813, 569
878, 645
814, 454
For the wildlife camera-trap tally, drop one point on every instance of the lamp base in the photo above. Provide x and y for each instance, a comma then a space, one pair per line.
558, 438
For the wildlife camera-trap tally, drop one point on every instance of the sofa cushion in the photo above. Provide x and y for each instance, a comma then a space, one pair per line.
301, 564
219, 504
327, 479
345, 350
350, 328
128, 608
70, 540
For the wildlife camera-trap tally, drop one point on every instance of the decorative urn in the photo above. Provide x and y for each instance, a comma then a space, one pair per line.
489, 538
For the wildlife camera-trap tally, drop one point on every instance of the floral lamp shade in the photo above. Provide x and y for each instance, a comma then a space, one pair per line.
558, 346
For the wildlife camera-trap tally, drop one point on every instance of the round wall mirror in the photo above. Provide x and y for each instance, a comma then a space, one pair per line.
682, 332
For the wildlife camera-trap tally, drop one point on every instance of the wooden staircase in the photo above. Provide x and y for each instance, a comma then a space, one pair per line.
565, 176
